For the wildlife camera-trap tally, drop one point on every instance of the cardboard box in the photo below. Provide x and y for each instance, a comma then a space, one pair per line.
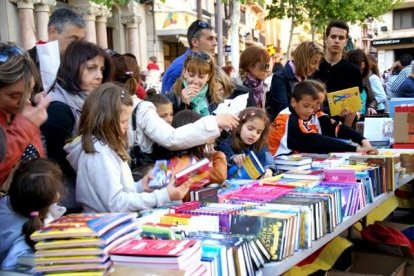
404, 127
373, 264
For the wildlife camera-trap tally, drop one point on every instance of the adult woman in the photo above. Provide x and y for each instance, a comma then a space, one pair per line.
305, 61
19, 118
368, 98
227, 89
83, 68
253, 70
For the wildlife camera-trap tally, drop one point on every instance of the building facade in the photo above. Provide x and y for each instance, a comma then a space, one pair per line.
394, 35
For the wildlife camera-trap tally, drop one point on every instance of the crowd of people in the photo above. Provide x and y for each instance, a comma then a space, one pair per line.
89, 143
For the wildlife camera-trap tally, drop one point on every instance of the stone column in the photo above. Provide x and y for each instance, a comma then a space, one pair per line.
102, 37
42, 10
132, 22
27, 26
89, 14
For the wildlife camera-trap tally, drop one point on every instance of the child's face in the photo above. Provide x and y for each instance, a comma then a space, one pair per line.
305, 107
251, 131
321, 98
165, 111
195, 78
11, 97
92, 73
124, 117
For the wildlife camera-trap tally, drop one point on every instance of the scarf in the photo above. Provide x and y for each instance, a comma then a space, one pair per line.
256, 86
199, 102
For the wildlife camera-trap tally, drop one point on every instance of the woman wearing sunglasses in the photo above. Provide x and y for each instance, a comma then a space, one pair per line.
253, 70
20, 118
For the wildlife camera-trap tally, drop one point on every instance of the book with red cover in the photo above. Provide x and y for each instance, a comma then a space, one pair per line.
198, 173
155, 251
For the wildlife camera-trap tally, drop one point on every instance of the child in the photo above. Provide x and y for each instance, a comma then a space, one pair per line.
99, 155
162, 104
194, 89
301, 128
19, 118
35, 186
218, 172
250, 135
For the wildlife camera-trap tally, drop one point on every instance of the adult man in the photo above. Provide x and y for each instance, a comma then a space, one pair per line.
405, 61
65, 26
406, 89
336, 72
201, 37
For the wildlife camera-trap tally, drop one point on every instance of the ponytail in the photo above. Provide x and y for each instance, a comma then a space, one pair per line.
33, 224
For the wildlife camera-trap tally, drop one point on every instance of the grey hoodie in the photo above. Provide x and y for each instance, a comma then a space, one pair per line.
104, 182
12, 242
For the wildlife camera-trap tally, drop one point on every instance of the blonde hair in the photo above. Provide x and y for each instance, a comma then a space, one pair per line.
18, 66
224, 79
302, 57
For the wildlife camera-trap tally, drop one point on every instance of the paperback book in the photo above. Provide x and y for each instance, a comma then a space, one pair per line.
344, 99
251, 168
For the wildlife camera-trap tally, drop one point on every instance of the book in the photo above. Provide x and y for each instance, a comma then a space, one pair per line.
347, 98
251, 168
339, 175
306, 174
156, 252
198, 173
81, 225
294, 159
328, 162
164, 169
293, 167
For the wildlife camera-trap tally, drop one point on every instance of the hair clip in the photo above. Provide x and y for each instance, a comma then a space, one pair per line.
34, 213
122, 94
129, 73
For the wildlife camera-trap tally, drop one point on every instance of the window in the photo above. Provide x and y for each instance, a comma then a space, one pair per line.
403, 19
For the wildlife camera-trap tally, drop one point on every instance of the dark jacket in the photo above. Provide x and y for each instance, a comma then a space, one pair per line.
278, 97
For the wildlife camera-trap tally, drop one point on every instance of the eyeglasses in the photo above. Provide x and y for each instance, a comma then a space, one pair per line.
200, 25
264, 66
199, 55
6, 53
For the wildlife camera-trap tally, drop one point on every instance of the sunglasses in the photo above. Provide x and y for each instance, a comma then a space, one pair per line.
198, 55
264, 66
200, 25
12, 51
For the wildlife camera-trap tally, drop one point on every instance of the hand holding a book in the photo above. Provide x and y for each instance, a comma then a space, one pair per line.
239, 159
177, 193
227, 121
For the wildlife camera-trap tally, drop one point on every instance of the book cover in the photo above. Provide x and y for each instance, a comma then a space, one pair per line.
251, 168
293, 167
164, 169
71, 259
198, 173
294, 159
73, 267
292, 182
81, 225
339, 175
347, 98
156, 251
305, 174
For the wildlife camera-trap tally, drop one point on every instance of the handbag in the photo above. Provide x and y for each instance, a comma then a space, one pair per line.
139, 159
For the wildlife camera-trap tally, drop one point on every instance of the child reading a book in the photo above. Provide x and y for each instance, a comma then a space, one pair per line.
300, 128
35, 186
218, 171
250, 135
99, 155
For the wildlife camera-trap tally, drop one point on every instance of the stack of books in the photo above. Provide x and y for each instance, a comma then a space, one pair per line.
168, 255
81, 242
292, 162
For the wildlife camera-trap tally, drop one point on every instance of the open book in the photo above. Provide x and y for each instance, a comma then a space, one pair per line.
348, 98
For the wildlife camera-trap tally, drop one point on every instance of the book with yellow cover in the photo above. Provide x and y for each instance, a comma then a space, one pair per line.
348, 98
